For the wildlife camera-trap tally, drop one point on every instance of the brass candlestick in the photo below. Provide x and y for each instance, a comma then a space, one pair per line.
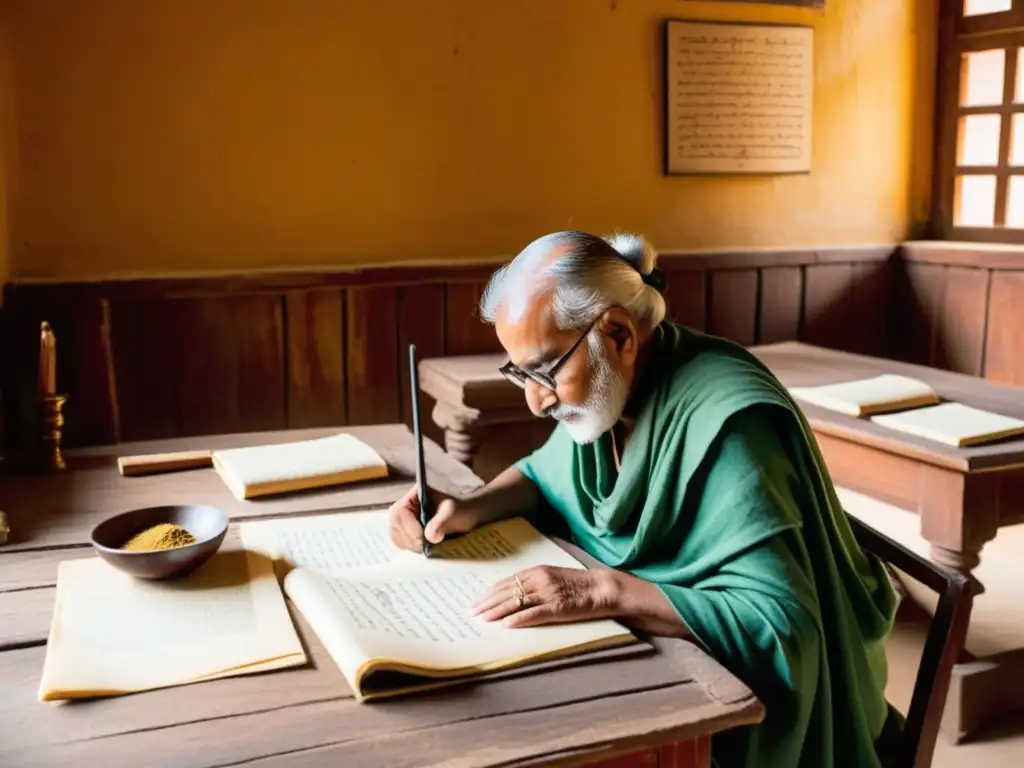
51, 418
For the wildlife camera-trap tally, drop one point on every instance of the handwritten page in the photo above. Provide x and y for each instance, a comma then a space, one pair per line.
432, 609
739, 98
323, 542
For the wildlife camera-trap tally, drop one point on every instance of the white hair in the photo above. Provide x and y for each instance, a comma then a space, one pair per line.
590, 275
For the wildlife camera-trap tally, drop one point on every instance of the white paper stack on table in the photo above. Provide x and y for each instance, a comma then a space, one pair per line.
864, 397
114, 634
954, 424
266, 469
911, 406
396, 622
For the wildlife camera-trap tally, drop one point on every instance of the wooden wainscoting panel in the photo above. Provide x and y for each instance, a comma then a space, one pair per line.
82, 365
830, 316
959, 338
1004, 347
686, 295
465, 332
145, 338
421, 319
781, 304
199, 366
316, 358
733, 311
921, 288
871, 300
371, 320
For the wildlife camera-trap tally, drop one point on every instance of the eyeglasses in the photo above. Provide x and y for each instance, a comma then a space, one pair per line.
546, 378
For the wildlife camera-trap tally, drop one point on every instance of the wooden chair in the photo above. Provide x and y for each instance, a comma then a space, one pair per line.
945, 641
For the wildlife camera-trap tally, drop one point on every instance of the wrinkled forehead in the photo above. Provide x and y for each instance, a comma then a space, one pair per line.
528, 332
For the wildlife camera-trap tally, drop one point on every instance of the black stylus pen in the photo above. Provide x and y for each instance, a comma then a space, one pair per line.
421, 469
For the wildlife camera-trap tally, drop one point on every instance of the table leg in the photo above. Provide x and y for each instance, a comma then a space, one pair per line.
461, 431
959, 514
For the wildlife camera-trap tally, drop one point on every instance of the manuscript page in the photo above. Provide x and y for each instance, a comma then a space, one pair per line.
412, 613
112, 633
739, 98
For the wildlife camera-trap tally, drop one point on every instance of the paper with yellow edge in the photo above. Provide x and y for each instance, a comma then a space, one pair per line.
114, 634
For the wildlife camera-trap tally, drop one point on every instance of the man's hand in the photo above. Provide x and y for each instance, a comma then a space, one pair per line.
404, 527
550, 595
553, 595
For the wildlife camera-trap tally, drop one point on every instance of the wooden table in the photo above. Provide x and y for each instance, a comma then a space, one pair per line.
962, 495
653, 710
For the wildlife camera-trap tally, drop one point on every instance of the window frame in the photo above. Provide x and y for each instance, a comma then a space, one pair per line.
959, 35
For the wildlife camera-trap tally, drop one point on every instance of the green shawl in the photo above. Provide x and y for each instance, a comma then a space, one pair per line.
724, 502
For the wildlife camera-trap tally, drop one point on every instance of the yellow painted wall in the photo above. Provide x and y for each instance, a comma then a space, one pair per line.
191, 135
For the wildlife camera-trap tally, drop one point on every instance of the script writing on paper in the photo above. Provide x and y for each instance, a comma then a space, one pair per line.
739, 98
433, 609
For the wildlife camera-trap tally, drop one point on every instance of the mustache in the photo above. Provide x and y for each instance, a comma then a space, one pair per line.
560, 412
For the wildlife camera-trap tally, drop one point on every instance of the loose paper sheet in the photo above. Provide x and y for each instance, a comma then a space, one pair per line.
739, 98
112, 633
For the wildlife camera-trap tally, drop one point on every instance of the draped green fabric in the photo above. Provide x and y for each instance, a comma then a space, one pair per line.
724, 502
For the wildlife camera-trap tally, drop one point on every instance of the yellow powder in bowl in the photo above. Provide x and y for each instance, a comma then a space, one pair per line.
160, 537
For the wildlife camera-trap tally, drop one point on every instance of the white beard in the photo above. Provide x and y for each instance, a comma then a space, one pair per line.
609, 392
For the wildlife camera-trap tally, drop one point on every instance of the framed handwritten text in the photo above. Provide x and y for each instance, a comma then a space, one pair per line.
738, 98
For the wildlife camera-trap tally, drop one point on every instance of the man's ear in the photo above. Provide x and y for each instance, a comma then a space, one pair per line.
622, 339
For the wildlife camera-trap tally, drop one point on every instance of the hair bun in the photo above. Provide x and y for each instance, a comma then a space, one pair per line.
655, 279
639, 253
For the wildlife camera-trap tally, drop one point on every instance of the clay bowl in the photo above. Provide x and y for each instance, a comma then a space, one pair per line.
208, 525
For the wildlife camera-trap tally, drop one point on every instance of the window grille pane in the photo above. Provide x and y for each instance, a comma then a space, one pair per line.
978, 140
1019, 85
1017, 141
981, 78
1015, 203
981, 7
975, 204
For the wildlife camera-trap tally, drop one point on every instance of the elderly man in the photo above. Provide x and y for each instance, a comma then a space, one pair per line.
681, 463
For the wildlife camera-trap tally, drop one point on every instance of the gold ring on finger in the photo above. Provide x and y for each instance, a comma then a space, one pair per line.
520, 592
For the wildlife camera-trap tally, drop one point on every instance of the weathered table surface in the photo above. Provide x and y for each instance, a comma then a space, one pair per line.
667, 704
963, 495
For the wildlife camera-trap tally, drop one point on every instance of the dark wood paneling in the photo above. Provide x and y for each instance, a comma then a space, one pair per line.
920, 303
316, 358
1004, 355
686, 295
199, 355
421, 321
733, 311
958, 343
199, 366
829, 318
372, 355
781, 304
465, 332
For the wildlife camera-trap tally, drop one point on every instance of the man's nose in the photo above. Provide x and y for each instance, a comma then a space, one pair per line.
539, 399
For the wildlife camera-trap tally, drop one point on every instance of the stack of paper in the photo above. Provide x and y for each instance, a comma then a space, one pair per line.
114, 634
863, 397
265, 469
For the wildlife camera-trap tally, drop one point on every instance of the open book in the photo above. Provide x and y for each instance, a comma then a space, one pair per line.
954, 424
863, 397
266, 469
395, 621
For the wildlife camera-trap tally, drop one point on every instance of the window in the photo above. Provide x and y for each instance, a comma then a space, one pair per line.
980, 168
